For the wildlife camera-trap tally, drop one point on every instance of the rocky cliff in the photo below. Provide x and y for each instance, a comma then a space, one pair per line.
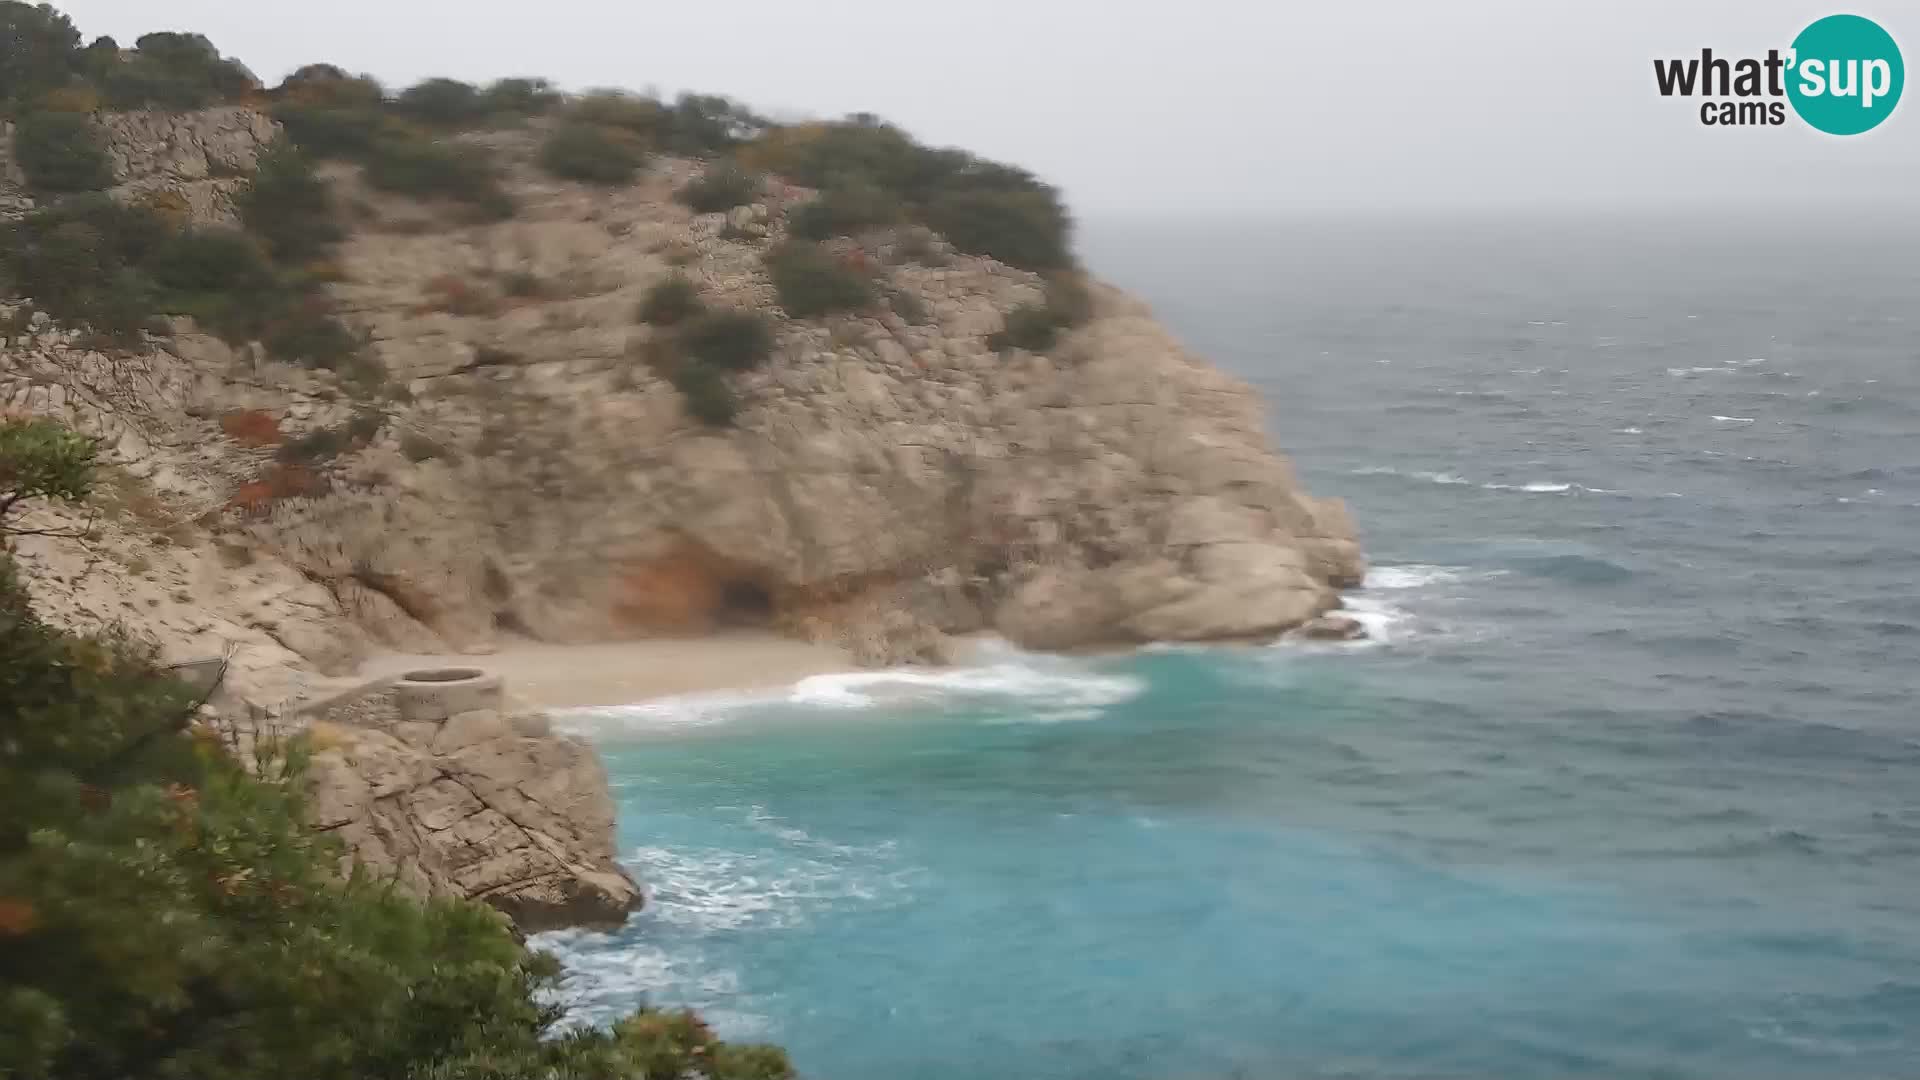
891, 478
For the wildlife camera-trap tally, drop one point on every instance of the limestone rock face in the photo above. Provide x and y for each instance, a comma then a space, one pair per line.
199, 159
480, 805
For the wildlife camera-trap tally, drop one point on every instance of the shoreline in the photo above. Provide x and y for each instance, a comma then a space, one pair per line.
551, 676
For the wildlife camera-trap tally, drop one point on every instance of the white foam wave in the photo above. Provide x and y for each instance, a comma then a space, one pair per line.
1388, 620
1032, 686
1385, 623
1055, 683
708, 890
1734, 419
1628, 431
665, 713
696, 892
607, 975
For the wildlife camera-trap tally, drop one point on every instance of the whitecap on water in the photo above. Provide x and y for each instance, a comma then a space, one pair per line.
1417, 474
1411, 576
1734, 419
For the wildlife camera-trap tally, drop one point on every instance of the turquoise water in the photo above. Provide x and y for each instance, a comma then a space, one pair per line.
1627, 784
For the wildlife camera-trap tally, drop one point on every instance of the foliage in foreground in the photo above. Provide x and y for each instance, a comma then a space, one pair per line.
164, 913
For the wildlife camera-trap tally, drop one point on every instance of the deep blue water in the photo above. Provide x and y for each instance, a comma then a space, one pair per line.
1628, 784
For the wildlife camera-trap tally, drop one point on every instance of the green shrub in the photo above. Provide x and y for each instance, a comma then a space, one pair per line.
332, 131
289, 207
311, 336
670, 301
42, 48
444, 103
810, 281
1069, 300
315, 447
1030, 327
917, 244
698, 125
722, 187
420, 448
983, 207
618, 109
219, 276
1037, 327
591, 154
60, 153
846, 208
909, 307
523, 285
708, 397
1028, 229
425, 169
330, 87
729, 340
79, 260
170, 71
521, 97
365, 424
211, 259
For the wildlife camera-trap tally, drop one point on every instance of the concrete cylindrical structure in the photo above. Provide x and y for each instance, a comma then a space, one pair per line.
434, 694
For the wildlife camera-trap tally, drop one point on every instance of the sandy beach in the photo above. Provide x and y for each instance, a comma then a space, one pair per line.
622, 672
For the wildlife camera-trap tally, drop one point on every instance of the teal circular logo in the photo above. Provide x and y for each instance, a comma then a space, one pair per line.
1845, 75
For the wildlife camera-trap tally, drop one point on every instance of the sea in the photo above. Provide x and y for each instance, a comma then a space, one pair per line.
1625, 782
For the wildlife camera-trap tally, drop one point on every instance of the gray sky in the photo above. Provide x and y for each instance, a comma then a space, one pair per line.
1221, 106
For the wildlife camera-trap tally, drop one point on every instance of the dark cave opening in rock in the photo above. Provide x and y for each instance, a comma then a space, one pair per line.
744, 603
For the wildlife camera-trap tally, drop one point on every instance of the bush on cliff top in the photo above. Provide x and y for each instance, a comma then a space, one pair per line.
166, 71
983, 207
165, 912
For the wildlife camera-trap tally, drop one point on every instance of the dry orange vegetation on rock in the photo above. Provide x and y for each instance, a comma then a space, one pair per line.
251, 427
